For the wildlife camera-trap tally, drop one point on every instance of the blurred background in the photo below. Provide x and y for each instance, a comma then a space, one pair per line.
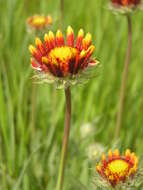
32, 115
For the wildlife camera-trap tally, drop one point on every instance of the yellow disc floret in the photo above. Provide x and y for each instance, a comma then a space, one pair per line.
118, 167
62, 54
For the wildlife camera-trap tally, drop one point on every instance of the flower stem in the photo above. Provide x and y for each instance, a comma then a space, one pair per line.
124, 80
65, 139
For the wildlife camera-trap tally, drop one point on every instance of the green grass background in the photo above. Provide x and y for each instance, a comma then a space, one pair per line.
32, 116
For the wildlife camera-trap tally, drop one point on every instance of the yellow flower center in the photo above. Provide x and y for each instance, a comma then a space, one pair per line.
62, 54
119, 167
39, 20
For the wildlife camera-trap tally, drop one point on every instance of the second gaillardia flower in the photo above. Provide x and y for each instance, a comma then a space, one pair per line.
39, 22
117, 169
63, 62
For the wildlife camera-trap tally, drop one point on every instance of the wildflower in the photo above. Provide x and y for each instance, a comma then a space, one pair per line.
124, 6
126, 2
55, 60
116, 168
38, 22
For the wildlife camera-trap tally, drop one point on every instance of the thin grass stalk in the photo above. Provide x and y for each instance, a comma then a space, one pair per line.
65, 140
33, 107
4, 181
124, 80
61, 14
10, 119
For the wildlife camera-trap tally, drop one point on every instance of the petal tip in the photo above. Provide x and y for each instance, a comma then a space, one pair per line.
69, 30
37, 41
32, 49
81, 33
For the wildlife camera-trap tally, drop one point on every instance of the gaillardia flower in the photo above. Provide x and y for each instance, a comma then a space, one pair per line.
116, 168
125, 6
63, 62
38, 22
126, 2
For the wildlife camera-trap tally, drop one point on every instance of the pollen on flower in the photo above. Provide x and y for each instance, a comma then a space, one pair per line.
118, 166
116, 169
62, 54
63, 59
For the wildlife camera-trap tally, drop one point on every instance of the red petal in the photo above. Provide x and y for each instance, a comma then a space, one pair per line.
70, 37
59, 38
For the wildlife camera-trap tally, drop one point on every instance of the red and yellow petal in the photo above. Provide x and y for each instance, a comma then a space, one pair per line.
52, 42
87, 41
59, 39
70, 36
35, 53
79, 39
40, 46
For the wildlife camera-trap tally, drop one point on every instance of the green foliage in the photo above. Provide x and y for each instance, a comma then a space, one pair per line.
32, 116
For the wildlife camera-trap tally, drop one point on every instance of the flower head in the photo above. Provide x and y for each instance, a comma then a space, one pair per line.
38, 22
126, 2
116, 168
125, 6
56, 60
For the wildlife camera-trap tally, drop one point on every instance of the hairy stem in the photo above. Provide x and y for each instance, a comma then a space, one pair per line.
65, 139
124, 80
